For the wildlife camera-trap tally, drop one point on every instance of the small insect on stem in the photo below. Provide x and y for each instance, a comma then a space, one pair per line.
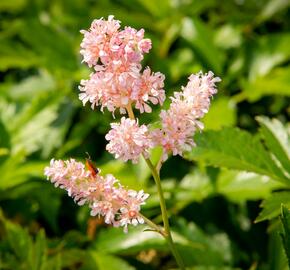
91, 167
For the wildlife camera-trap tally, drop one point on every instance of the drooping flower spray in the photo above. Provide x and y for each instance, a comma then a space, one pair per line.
118, 82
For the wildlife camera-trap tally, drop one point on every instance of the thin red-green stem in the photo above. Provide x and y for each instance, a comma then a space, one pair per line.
166, 233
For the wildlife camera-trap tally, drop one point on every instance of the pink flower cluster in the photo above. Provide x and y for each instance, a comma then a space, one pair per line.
181, 120
128, 140
105, 195
118, 80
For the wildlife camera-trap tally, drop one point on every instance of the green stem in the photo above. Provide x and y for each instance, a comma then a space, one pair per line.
166, 233
167, 236
153, 225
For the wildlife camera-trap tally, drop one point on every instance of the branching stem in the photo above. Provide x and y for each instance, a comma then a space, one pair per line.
166, 233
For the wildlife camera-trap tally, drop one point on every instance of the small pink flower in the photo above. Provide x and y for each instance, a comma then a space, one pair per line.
181, 120
129, 214
105, 195
96, 41
128, 140
148, 88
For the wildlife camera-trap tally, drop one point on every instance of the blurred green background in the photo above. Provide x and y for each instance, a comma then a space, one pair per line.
245, 42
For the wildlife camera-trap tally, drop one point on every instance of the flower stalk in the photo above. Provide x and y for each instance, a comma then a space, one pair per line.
167, 233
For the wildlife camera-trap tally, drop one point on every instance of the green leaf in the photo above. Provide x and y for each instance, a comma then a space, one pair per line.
201, 39
285, 218
56, 56
18, 239
277, 139
198, 248
182, 62
115, 241
277, 82
271, 50
271, 8
272, 205
12, 5
235, 149
125, 172
102, 261
38, 256
16, 56
228, 36
243, 186
31, 86
31, 125
15, 171
195, 186
49, 200
157, 9
222, 113
193, 244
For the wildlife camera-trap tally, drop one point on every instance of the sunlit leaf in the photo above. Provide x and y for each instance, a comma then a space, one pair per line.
272, 8
115, 241
228, 36
242, 186
276, 82
235, 149
271, 51
222, 113
31, 86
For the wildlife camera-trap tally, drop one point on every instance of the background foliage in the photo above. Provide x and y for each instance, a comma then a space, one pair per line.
214, 197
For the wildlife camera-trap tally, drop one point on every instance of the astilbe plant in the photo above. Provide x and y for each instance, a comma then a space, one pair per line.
118, 82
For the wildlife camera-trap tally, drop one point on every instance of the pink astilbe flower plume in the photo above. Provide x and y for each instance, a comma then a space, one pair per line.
118, 79
128, 140
104, 194
181, 120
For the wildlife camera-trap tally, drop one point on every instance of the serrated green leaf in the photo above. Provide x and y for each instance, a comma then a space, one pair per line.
235, 149
277, 139
272, 205
285, 218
